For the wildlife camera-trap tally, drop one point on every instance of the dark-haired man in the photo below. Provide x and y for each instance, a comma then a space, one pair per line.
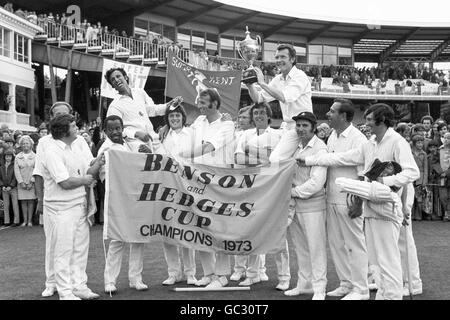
135, 107
307, 229
292, 89
58, 108
213, 145
427, 122
114, 128
386, 145
345, 233
67, 171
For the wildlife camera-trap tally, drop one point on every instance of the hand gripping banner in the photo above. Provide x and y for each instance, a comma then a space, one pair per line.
151, 197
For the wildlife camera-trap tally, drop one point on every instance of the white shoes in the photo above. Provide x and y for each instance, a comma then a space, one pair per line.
69, 297
48, 292
283, 285
138, 285
356, 296
373, 286
110, 288
23, 224
250, 281
263, 276
191, 280
217, 282
318, 296
236, 276
339, 292
171, 280
415, 292
85, 294
204, 281
297, 291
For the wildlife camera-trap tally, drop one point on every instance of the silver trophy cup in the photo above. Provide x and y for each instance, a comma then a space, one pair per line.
249, 50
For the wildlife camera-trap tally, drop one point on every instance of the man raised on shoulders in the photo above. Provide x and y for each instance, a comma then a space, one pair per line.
292, 89
135, 107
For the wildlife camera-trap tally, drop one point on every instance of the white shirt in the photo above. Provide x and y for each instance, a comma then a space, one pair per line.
220, 134
309, 191
108, 144
296, 89
350, 138
46, 141
178, 142
260, 146
62, 162
135, 112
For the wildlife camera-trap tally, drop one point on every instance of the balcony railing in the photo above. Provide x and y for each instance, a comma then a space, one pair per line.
116, 47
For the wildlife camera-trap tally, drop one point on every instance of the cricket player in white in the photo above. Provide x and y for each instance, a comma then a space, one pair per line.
213, 135
307, 229
66, 173
58, 108
292, 89
386, 145
253, 148
135, 107
345, 234
114, 130
175, 140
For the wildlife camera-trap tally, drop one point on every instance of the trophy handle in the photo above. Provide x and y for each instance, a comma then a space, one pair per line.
239, 51
258, 38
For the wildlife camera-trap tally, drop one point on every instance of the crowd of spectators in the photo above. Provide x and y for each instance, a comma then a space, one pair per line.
406, 75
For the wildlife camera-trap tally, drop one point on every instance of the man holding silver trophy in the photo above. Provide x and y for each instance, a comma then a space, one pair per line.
291, 87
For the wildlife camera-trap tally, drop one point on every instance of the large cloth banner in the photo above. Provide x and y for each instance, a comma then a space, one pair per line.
187, 81
137, 76
150, 197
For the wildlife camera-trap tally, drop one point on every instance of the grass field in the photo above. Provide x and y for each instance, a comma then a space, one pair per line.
22, 268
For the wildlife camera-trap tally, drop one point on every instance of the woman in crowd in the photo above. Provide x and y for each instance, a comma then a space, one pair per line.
419, 185
23, 169
444, 174
323, 131
442, 130
8, 183
404, 130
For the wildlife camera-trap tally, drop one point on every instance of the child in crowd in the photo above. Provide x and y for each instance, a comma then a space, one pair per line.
8, 183
419, 185
434, 179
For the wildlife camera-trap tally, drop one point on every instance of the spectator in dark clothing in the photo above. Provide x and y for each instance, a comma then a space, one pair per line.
8, 183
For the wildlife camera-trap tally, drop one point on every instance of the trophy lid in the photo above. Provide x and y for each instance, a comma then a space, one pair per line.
247, 34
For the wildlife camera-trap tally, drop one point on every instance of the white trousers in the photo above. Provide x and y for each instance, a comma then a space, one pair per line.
208, 261
172, 255
257, 264
215, 263
68, 233
49, 231
382, 248
222, 267
308, 234
412, 256
286, 146
348, 248
114, 261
